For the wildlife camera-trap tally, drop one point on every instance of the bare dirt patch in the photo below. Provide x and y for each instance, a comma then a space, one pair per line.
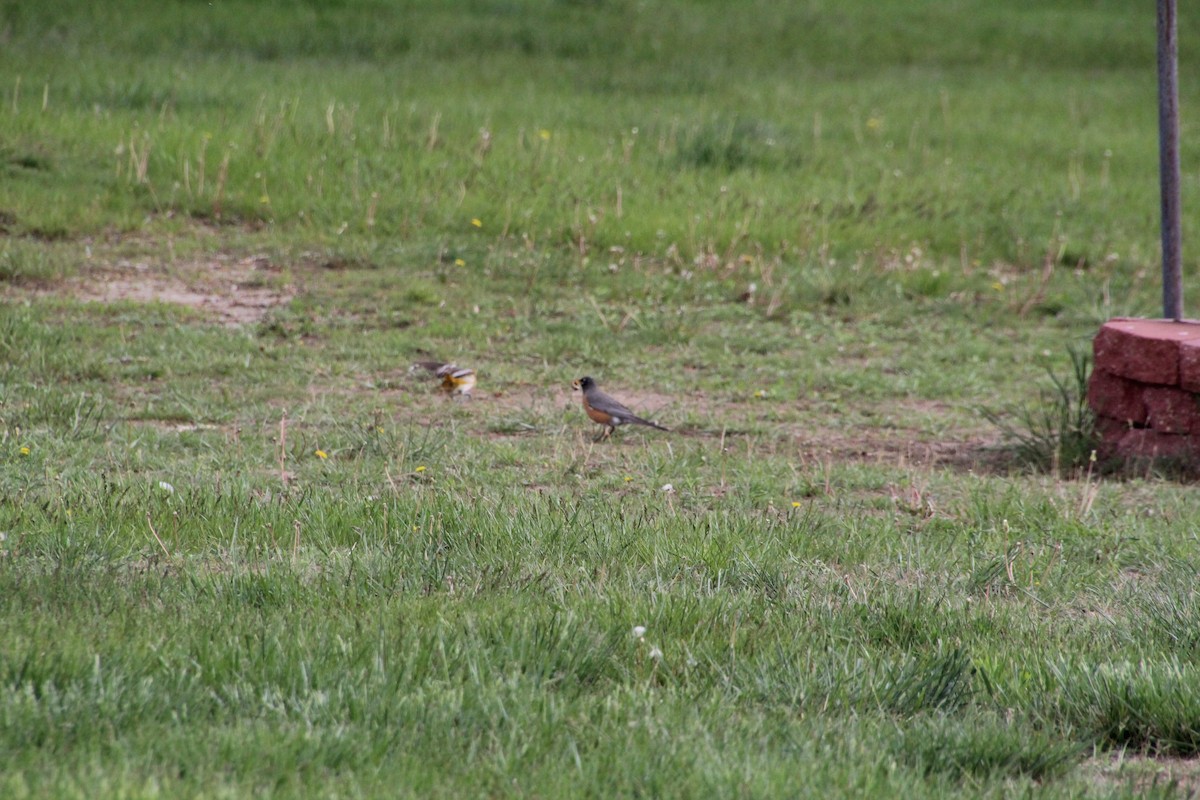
981, 454
908, 433
225, 290
1142, 773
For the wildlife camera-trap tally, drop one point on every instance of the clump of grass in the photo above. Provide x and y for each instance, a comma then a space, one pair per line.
937, 682
1056, 432
74, 416
983, 746
31, 261
730, 145
1148, 706
1171, 612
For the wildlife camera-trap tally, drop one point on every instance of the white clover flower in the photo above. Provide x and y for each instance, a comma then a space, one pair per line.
639, 631
166, 487
668, 488
655, 653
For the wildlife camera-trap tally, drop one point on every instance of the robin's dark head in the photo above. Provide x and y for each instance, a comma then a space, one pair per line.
583, 383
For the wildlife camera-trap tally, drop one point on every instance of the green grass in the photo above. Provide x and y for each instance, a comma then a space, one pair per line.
815, 240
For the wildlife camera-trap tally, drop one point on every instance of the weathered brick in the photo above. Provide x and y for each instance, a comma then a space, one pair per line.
1149, 443
1111, 430
1171, 410
1145, 350
1116, 397
1189, 365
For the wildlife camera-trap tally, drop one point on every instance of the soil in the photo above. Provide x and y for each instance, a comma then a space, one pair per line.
224, 290
1140, 773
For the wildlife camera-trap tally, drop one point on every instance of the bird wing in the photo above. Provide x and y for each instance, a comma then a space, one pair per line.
609, 405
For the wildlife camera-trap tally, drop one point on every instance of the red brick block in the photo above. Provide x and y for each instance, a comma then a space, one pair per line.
1149, 443
1111, 430
1171, 410
1115, 397
1189, 365
1145, 350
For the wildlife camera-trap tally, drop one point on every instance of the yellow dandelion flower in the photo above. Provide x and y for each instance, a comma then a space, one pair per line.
795, 504
628, 478
458, 262
24, 451
420, 468
477, 222
544, 135
321, 454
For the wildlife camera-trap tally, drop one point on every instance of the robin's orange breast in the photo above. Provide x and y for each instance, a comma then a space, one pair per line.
596, 414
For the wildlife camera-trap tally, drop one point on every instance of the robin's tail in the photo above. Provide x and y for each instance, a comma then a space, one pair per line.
648, 423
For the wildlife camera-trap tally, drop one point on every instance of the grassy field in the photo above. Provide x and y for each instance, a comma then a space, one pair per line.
244, 550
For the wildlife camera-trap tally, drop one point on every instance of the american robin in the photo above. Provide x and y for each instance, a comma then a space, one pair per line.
607, 411
455, 379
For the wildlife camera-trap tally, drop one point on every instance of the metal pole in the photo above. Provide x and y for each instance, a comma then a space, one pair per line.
1168, 160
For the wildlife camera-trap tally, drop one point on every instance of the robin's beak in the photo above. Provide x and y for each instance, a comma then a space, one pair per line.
574, 384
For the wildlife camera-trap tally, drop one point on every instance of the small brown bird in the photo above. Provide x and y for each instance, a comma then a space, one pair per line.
455, 379
606, 410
